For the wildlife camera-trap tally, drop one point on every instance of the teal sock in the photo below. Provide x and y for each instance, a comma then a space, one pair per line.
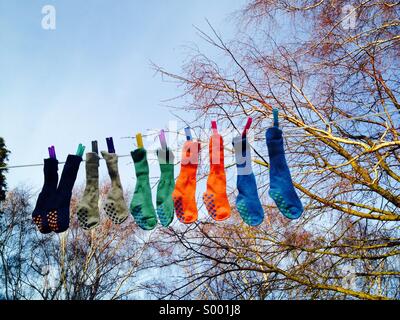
165, 204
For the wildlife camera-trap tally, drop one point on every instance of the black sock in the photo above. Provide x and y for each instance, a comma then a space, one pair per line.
58, 217
46, 197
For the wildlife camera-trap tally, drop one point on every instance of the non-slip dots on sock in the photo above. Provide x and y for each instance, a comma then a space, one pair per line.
83, 217
111, 212
210, 204
161, 215
141, 220
179, 208
38, 222
247, 217
281, 204
52, 219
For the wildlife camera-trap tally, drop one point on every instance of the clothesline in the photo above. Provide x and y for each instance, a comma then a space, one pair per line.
179, 133
41, 164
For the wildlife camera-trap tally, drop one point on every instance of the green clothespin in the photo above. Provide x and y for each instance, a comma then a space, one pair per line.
80, 150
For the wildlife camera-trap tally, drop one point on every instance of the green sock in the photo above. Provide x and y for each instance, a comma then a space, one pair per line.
165, 204
142, 208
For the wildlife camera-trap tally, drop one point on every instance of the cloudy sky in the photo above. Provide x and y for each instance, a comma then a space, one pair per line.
91, 78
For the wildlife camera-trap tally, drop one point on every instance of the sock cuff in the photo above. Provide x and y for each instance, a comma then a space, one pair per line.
112, 163
92, 165
190, 154
50, 168
165, 156
242, 155
274, 141
139, 157
69, 173
216, 153
73, 161
92, 158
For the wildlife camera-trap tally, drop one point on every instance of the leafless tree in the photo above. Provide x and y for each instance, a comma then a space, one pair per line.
336, 85
104, 263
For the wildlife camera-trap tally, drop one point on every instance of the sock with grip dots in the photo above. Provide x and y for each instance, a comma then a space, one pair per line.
184, 194
215, 198
46, 197
141, 207
58, 217
281, 186
114, 206
165, 204
88, 208
247, 202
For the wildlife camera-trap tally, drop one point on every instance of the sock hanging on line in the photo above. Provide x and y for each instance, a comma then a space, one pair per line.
184, 194
215, 198
141, 207
165, 204
46, 197
247, 202
281, 186
114, 205
88, 208
58, 217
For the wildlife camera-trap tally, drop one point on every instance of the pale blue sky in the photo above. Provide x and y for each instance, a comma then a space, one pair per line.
91, 77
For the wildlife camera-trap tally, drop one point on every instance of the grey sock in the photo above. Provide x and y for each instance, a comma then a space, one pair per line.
115, 205
88, 207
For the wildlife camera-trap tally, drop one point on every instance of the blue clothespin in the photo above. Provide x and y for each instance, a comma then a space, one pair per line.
110, 145
188, 134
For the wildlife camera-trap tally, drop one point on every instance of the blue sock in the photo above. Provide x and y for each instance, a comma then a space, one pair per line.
247, 202
281, 185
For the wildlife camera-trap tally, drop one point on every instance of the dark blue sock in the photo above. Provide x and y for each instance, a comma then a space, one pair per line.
46, 197
281, 185
247, 202
58, 217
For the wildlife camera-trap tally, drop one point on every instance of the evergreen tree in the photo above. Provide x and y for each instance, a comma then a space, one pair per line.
3, 158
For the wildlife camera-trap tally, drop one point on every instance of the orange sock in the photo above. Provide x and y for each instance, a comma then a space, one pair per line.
184, 194
215, 198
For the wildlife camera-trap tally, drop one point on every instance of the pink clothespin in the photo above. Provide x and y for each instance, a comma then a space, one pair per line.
247, 127
214, 127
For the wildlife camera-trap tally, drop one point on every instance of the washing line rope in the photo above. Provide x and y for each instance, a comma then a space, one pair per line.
148, 135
